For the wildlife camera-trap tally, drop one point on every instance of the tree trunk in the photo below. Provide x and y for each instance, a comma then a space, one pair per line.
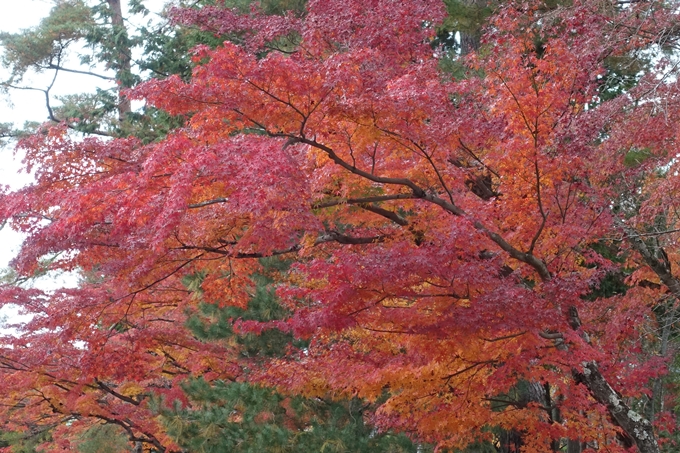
574, 446
656, 401
469, 42
124, 63
471, 36
636, 428
634, 425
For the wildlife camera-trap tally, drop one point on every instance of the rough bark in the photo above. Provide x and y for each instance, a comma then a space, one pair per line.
470, 39
656, 400
637, 430
659, 264
124, 62
574, 446
469, 42
634, 425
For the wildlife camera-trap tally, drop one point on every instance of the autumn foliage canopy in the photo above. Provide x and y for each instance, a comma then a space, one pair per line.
447, 235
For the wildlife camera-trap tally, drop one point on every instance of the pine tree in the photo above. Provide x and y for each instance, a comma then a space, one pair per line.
242, 416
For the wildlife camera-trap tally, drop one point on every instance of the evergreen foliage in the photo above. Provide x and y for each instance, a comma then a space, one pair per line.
246, 418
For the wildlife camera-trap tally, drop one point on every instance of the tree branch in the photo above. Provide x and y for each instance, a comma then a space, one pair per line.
120, 396
393, 216
76, 71
208, 202
377, 199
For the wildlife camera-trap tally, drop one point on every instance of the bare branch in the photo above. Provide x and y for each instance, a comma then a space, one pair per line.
377, 199
76, 71
393, 216
208, 202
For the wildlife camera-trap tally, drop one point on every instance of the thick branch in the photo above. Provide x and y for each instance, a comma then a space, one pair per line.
120, 396
638, 428
660, 267
377, 199
527, 258
418, 192
331, 236
393, 216
128, 427
76, 71
208, 203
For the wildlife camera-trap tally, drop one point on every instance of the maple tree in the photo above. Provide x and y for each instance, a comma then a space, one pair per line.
448, 233
68, 23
